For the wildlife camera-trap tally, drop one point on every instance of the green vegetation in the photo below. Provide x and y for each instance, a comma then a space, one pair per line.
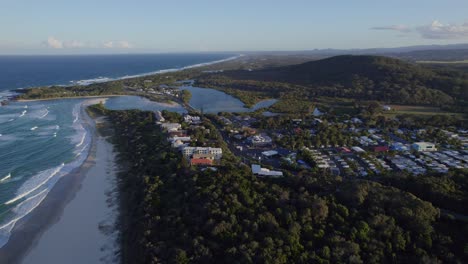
186, 96
97, 89
445, 191
356, 77
172, 213
444, 62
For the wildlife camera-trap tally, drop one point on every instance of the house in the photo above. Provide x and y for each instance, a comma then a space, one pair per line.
192, 119
159, 117
356, 120
178, 133
398, 147
171, 126
206, 162
258, 170
424, 146
317, 112
260, 140
381, 148
345, 150
296, 121
183, 139
178, 144
358, 149
270, 153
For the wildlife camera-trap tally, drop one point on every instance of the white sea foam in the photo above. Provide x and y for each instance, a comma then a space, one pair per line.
6, 178
76, 113
23, 113
35, 182
19, 212
45, 114
107, 79
34, 128
82, 140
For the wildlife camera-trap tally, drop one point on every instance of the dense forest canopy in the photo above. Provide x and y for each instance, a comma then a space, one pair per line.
359, 77
173, 213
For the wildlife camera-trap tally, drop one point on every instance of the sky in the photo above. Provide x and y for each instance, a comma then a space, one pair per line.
141, 26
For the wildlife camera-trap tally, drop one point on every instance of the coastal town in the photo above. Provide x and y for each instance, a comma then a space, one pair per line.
367, 151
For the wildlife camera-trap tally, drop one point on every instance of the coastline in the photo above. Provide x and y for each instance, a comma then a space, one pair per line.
29, 231
88, 82
68, 97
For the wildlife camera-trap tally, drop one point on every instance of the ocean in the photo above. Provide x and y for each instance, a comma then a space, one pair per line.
42, 141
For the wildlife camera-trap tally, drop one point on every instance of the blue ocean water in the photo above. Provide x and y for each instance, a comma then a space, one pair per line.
30, 71
42, 141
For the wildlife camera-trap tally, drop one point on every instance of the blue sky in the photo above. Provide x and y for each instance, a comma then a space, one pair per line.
104, 26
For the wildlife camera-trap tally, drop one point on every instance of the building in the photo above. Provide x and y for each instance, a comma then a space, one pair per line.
171, 126
260, 140
358, 149
159, 117
178, 133
178, 144
190, 151
270, 153
205, 162
183, 139
192, 119
356, 120
424, 146
258, 170
317, 112
381, 149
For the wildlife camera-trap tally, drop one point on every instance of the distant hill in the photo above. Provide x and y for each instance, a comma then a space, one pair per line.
354, 76
433, 55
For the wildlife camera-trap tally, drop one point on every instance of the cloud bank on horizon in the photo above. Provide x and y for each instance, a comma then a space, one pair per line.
435, 30
55, 43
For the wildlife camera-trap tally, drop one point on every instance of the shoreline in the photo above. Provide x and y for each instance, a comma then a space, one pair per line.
68, 97
28, 231
163, 71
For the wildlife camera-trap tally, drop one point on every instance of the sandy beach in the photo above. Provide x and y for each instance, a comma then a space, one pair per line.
76, 221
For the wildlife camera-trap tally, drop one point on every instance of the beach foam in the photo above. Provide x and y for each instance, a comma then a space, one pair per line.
34, 183
6, 178
20, 211
107, 79
45, 114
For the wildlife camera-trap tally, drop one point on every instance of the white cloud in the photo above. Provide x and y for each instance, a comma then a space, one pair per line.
400, 28
123, 44
438, 30
54, 43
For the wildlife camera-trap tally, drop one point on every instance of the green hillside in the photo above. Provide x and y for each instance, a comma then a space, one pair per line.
359, 77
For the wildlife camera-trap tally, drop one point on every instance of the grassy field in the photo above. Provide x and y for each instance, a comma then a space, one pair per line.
418, 110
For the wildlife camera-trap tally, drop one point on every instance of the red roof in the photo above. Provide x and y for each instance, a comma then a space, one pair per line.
201, 161
346, 150
380, 149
